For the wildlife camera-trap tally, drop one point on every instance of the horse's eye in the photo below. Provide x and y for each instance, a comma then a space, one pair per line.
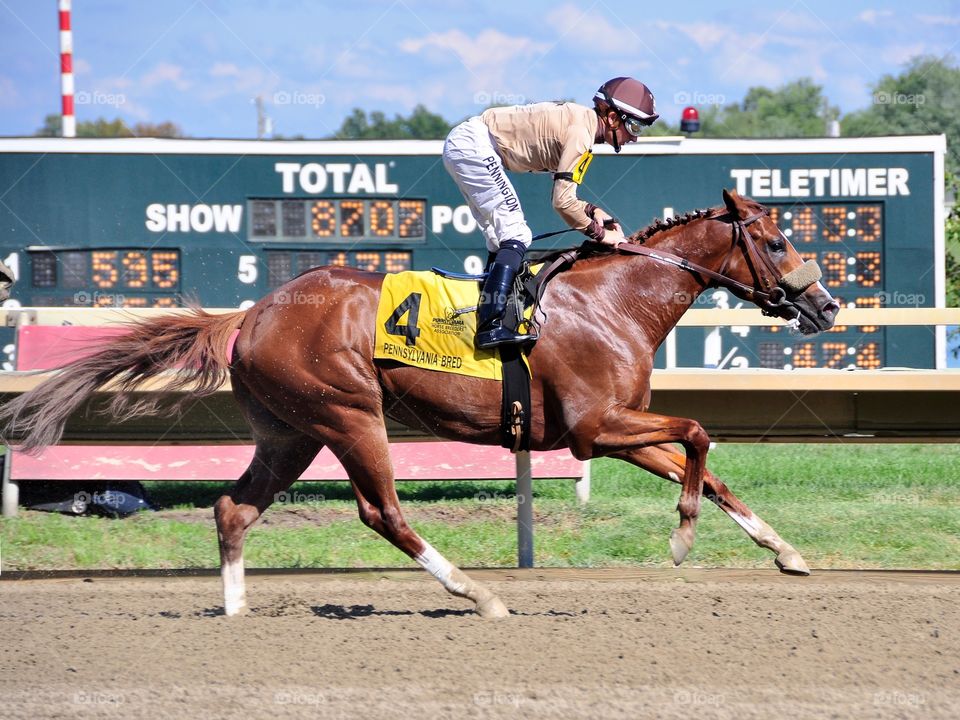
777, 245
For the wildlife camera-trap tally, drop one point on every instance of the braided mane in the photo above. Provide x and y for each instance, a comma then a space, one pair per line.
659, 225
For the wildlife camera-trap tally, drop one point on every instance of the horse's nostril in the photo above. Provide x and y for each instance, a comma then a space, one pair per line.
830, 310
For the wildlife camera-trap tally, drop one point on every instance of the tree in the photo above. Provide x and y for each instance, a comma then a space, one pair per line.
797, 109
924, 99
420, 125
101, 127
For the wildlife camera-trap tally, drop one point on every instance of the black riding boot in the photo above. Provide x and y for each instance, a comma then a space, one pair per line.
493, 304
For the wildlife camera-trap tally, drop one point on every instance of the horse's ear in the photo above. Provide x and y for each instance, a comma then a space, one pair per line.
734, 203
730, 198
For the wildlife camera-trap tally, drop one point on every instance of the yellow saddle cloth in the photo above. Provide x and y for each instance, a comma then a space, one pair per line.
429, 321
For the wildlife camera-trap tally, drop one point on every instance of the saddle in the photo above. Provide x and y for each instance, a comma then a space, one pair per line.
523, 305
523, 302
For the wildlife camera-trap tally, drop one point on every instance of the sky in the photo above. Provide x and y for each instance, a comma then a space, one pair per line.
202, 63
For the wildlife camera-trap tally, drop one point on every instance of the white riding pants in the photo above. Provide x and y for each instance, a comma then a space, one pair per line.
471, 159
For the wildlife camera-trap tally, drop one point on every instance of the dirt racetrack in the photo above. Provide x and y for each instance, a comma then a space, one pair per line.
580, 643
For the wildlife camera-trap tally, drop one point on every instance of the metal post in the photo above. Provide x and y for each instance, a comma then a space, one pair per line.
524, 511
11, 491
582, 486
69, 120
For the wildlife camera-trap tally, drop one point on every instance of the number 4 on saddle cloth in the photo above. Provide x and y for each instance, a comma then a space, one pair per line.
429, 319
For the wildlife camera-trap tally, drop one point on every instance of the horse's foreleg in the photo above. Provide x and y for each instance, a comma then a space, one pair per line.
624, 431
664, 461
276, 464
367, 461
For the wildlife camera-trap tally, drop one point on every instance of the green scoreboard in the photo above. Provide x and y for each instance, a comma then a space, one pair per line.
150, 223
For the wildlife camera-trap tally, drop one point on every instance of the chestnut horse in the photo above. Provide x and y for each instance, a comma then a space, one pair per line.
305, 377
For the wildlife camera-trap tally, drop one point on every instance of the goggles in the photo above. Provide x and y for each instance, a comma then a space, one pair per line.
634, 125
635, 121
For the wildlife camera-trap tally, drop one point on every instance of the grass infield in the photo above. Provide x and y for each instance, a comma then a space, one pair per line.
841, 506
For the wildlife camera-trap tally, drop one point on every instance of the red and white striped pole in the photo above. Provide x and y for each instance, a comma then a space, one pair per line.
66, 70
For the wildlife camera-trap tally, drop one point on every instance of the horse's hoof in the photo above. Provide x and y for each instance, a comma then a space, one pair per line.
680, 544
492, 608
791, 563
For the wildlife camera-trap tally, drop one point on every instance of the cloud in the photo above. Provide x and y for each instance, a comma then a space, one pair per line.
871, 16
939, 19
9, 95
165, 72
485, 56
901, 54
224, 69
705, 36
585, 29
81, 66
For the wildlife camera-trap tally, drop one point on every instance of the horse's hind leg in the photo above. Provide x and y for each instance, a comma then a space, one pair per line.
664, 461
282, 455
365, 454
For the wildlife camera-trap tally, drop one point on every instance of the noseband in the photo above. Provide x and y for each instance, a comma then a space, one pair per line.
775, 290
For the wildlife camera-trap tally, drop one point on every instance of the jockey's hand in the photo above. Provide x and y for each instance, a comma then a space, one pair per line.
603, 217
613, 234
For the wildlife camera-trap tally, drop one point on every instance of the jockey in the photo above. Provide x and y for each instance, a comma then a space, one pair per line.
554, 137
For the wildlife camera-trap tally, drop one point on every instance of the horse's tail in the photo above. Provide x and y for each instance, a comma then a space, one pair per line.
195, 344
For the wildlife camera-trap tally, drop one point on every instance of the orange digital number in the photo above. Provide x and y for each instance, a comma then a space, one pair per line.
804, 356
324, 218
868, 223
868, 357
834, 355
165, 269
835, 223
834, 267
868, 269
396, 262
135, 274
104, 266
369, 261
411, 218
804, 226
382, 221
351, 218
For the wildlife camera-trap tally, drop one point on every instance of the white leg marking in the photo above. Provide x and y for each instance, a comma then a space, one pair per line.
438, 566
673, 476
750, 524
234, 592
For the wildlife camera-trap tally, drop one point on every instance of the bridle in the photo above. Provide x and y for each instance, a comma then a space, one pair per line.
776, 290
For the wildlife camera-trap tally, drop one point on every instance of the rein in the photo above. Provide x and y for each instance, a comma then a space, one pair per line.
771, 298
